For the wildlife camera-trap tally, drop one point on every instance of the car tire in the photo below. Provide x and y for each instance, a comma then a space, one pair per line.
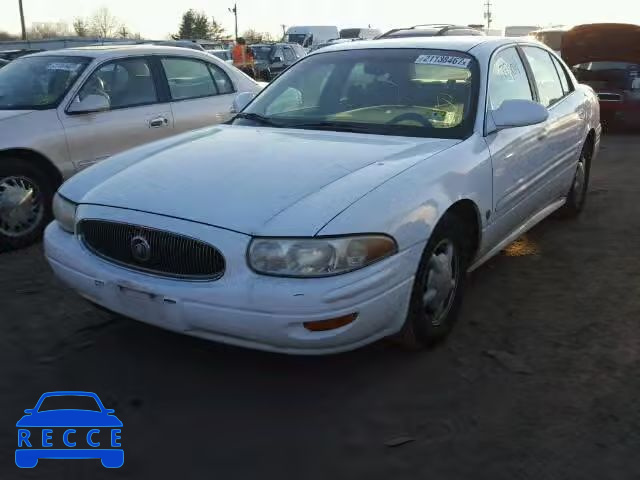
433, 310
577, 196
22, 182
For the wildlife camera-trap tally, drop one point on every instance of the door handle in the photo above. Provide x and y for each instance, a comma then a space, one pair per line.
158, 122
543, 135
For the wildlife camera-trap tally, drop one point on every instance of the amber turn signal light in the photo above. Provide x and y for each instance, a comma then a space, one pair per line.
331, 324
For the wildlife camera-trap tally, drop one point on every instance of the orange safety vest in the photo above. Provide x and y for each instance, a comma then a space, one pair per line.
242, 56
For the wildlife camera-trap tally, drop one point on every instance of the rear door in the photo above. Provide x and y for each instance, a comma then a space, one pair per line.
136, 114
201, 93
564, 129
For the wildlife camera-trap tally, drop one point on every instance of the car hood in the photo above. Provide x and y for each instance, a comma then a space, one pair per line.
7, 114
615, 42
251, 180
68, 418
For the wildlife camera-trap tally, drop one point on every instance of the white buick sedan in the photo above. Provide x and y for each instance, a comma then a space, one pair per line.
344, 204
63, 110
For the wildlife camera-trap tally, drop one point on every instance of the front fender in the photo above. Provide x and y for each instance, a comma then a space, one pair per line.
410, 205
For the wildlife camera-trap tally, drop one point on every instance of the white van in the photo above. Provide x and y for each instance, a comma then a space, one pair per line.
311, 37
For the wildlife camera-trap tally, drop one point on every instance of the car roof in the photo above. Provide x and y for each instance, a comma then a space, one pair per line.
116, 51
426, 30
460, 43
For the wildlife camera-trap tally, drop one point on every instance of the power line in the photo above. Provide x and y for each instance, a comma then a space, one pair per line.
487, 14
24, 30
234, 10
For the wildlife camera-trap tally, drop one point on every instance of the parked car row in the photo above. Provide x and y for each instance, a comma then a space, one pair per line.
62, 111
344, 203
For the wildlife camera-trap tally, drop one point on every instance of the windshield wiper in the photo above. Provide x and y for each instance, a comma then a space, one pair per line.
256, 117
332, 126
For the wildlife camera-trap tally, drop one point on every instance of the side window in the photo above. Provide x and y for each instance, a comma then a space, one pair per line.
188, 78
125, 83
279, 53
289, 56
508, 79
567, 88
545, 74
223, 82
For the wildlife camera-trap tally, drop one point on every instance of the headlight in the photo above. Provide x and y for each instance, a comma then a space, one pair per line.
64, 212
317, 257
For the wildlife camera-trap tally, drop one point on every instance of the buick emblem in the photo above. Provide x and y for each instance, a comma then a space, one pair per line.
140, 249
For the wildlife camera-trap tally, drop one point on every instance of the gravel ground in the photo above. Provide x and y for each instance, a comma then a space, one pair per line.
539, 380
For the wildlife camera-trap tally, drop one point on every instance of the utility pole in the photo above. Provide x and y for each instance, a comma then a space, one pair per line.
234, 10
284, 30
24, 30
487, 14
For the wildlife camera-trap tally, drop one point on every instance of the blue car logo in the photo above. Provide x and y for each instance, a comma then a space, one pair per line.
69, 425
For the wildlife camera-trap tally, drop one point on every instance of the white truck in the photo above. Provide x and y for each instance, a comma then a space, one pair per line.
310, 37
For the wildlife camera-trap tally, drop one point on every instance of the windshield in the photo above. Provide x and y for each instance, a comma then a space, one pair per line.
425, 93
600, 75
298, 38
69, 402
350, 33
262, 52
38, 82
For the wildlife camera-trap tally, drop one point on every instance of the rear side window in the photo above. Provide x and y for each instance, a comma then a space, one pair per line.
508, 79
545, 74
564, 79
223, 82
188, 78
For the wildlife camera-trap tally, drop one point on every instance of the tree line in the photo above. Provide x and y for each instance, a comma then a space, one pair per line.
103, 24
197, 25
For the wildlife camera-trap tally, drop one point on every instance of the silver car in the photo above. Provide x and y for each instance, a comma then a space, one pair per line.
62, 111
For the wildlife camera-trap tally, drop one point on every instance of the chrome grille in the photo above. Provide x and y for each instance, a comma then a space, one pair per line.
152, 251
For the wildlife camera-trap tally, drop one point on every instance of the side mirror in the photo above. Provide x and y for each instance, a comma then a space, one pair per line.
29, 411
277, 60
519, 113
242, 100
90, 103
109, 411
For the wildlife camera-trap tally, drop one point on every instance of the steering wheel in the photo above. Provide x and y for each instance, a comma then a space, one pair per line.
410, 116
95, 86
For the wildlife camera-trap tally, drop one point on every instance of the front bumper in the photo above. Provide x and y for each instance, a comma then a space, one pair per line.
242, 308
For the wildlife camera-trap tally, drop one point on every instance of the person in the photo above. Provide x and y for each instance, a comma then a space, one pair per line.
243, 58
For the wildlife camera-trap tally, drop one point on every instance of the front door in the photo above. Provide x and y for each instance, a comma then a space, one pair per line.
517, 154
134, 117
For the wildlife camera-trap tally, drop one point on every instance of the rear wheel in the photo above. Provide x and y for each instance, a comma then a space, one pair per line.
577, 196
438, 287
26, 194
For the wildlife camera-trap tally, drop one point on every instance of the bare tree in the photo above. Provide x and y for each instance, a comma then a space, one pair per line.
7, 36
82, 27
47, 30
103, 23
253, 36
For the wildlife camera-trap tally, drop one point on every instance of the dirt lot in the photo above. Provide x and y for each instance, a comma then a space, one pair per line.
539, 381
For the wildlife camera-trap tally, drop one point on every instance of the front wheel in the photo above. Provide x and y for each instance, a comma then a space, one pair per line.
438, 287
26, 194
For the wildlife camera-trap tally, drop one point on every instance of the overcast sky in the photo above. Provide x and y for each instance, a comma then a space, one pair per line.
158, 18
